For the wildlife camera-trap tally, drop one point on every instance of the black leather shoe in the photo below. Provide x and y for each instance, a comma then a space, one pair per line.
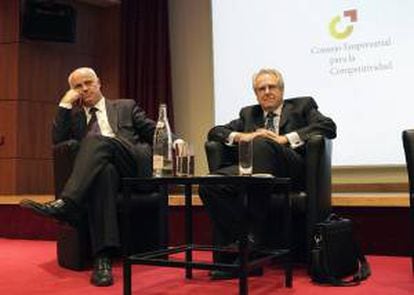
58, 209
226, 275
102, 272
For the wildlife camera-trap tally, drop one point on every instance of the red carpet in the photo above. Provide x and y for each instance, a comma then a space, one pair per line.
30, 267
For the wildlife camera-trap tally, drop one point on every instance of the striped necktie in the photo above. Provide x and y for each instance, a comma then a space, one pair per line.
93, 127
270, 122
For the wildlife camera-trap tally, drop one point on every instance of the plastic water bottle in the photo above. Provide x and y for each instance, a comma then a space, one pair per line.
162, 162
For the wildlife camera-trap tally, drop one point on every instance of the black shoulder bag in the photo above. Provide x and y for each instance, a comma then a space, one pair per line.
336, 255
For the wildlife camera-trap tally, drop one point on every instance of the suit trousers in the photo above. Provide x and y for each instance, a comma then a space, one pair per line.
227, 210
94, 184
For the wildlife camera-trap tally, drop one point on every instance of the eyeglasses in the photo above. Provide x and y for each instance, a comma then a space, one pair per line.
268, 87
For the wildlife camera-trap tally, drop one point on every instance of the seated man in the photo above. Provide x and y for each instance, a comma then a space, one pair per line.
115, 139
278, 129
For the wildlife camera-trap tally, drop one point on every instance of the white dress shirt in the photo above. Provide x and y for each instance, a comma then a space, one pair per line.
293, 137
101, 116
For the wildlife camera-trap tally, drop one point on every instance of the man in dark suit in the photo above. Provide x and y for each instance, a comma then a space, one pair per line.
278, 129
115, 139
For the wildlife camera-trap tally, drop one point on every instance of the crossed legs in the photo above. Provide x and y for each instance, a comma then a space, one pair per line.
224, 205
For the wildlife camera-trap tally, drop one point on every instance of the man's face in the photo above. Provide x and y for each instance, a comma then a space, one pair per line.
268, 93
88, 87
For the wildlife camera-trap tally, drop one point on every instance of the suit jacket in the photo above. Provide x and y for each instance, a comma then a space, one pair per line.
298, 114
127, 120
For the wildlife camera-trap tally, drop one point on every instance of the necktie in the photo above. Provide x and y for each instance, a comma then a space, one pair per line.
93, 126
270, 122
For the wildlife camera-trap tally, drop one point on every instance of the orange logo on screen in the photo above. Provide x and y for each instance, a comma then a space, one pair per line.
333, 25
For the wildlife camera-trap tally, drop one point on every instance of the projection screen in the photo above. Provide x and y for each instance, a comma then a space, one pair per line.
356, 58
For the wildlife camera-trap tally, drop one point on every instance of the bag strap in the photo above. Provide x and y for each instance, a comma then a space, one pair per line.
364, 268
364, 271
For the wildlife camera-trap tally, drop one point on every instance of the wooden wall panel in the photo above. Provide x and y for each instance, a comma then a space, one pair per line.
8, 71
33, 78
44, 68
9, 28
9, 24
34, 176
109, 53
41, 72
8, 174
8, 129
34, 139
88, 33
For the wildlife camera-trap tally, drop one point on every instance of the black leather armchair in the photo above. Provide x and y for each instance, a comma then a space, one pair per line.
408, 142
310, 206
149, 219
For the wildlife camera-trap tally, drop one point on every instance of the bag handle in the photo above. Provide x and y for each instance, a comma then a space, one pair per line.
332, 217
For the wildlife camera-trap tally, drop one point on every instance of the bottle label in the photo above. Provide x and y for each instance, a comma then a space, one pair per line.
157, 162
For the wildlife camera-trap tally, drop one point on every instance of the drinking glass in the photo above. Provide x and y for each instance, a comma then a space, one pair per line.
245, 157
184, 160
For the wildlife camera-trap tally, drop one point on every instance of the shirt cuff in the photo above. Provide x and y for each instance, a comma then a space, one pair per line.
230, 139
65, 105
178, 141
294, 140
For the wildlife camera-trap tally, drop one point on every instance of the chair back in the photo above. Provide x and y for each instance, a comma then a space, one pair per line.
408, 143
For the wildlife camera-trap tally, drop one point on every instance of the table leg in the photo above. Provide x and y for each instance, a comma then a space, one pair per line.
126, 240
243, 247
288, 238
126, 208
243, 286
127, 277
288, 273
188, 230
243, 258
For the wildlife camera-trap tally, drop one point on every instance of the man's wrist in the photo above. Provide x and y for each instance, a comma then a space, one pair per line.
65, 105
233, 138
294, 139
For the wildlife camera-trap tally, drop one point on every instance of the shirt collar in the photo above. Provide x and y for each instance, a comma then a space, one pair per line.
277, 112
100, 106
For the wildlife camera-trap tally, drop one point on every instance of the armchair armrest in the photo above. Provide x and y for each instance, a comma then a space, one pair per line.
220, 155
408, 143
64, 154
318, 172
318, 181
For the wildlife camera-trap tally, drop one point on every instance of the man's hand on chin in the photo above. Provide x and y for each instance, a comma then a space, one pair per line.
71, 97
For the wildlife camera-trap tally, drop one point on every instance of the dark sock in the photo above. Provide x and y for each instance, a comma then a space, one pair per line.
108, 252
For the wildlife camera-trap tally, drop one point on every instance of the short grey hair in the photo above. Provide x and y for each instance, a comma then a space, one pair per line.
83, 69
273, 72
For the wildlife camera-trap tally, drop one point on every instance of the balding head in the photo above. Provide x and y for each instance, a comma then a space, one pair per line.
86, 83
84, 71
